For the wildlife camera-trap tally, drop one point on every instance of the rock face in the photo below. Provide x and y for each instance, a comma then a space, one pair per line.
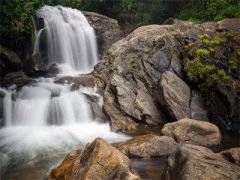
107, 30
193, 132
196, 162
133, 99
232, 155
175, 96
148, 146
98, 160
148, 61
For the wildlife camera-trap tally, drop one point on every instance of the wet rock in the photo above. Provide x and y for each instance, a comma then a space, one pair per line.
95, 102
18, 78
193, 132
84, 80
98, 160
53, 70
232, 155
175, 95
198, 110
107, 30
148, 146
196, 162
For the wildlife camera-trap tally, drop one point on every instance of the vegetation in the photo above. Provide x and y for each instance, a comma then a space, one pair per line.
16, 22
213, 59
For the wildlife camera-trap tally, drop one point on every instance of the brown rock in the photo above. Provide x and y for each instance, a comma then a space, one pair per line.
148, 146
64, 170
193, 132
232, 155
99, 161
195, 162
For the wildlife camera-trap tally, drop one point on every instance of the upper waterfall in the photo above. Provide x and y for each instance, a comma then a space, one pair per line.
71, 40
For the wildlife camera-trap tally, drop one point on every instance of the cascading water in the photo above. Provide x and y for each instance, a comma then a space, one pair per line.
44, 119
71, 40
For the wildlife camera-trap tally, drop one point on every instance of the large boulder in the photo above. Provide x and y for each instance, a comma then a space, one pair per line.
97, 160
148, 146
107, 30
175, 95
196, 162
193, 132
232, 155
149, 59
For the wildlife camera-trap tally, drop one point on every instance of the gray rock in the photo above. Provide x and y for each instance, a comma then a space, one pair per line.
175, 95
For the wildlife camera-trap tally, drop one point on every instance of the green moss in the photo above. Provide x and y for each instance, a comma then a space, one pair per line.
213, 59
202, 52
216, 41
197, 69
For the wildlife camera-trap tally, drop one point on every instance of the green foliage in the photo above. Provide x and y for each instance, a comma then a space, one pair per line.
213, 59
16, 22
210, 10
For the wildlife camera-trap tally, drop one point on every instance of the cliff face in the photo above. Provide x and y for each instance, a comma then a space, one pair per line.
146, 81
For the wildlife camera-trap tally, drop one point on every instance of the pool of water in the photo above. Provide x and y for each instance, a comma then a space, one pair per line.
38, 168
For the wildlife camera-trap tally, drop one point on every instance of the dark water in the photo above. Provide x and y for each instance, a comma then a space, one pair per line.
149, 169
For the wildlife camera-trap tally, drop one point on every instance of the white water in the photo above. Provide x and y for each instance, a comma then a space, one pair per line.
44, 118
71, 40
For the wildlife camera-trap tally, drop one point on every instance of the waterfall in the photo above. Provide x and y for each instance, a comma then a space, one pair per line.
7, 107
44, 118
70, 38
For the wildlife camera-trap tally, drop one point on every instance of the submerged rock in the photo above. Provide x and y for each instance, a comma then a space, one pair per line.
98, 160
196, 162
193, 132
148, 146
